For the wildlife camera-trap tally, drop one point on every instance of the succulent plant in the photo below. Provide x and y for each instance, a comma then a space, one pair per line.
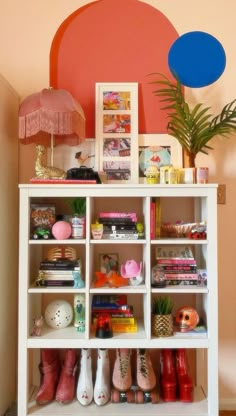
162, 305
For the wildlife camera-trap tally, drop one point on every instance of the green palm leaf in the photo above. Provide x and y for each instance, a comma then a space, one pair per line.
193, 128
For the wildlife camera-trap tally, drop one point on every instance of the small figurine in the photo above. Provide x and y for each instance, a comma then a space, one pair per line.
79, 312
78, 281
112, 280
151, 173
37, 328
132, 271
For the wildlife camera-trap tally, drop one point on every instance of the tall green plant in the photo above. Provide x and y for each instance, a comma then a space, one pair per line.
193, 128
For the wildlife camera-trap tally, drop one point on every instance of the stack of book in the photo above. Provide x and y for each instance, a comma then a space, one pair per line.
121, 313
119, 225
178, 265
57, 273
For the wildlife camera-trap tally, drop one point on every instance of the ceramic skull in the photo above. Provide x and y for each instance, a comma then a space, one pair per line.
186, 318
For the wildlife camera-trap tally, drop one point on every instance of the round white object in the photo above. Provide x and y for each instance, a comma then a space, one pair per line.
58, 314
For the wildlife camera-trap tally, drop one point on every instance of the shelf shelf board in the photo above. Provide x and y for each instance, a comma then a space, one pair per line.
199, 407
181, 289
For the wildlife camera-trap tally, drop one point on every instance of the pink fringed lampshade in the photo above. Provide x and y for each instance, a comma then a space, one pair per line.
51, 114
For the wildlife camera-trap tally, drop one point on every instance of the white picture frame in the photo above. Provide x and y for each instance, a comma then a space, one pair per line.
158, 150
117, 131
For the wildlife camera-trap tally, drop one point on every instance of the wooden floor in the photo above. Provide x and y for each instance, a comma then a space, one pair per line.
228, 413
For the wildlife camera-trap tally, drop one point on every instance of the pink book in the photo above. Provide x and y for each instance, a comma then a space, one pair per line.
176, 261
181, 276
131, 215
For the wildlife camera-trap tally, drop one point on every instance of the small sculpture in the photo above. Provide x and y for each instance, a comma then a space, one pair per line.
37, 328
132, 271
78, 281
79, 312
151, 174
112, 280
46, 172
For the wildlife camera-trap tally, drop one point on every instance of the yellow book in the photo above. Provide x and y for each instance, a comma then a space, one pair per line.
125, 327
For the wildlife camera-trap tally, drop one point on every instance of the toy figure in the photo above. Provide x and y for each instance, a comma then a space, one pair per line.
37, 328
78, 281
79, 312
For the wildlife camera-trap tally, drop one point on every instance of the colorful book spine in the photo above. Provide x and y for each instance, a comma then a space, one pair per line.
125, 321
181, 276
124, 327
131, 215
172, 260
153, 220
181, 268
158, 217
183, 282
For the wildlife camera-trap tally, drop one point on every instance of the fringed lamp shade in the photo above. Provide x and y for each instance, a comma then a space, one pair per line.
51, 114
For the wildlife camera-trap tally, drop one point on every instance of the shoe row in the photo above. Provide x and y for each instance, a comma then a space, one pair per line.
61, 381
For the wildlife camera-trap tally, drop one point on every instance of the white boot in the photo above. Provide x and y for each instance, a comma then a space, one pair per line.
84, 391
102, 388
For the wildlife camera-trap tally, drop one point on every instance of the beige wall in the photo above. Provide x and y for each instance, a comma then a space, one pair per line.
26, 32
9, 102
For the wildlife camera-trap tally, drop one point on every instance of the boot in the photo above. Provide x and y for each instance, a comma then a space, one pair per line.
185, 384
85, 384
102, 388
121, 377
49, 368
146, 379
168, 376
66, 387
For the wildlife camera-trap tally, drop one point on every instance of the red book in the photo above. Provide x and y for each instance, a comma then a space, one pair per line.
63, 181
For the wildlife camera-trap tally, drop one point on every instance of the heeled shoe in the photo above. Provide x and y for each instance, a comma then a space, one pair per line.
185, 384
84, 390
49, 368
168, 376
66, 386
102, 387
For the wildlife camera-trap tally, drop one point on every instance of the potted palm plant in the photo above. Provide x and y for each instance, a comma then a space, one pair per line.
192, 127
162, 319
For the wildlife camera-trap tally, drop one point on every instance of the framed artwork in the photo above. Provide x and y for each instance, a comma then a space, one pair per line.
158, 150
117, 131
108, 262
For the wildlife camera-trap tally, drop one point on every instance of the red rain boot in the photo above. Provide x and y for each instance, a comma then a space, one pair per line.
185, 384
49, 369
66, 387
168, 376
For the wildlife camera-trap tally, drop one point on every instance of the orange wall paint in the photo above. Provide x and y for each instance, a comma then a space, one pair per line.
113, 41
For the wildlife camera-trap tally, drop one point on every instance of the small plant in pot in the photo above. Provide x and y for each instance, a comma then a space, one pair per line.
162, 319
78, 220
193, 127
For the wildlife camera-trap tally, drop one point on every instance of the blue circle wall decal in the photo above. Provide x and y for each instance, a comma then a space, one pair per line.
197, 58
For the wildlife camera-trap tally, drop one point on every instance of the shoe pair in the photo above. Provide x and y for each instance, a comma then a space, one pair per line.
122, 378
57, 382
101, 392
175, 379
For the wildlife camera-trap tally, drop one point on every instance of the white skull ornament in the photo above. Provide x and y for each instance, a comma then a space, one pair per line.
186, 318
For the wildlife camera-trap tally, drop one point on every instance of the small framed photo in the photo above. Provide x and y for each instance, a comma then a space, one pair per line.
158, 150
108, 263
117, 131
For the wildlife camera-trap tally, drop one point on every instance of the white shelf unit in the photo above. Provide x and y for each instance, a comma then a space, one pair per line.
191, 202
